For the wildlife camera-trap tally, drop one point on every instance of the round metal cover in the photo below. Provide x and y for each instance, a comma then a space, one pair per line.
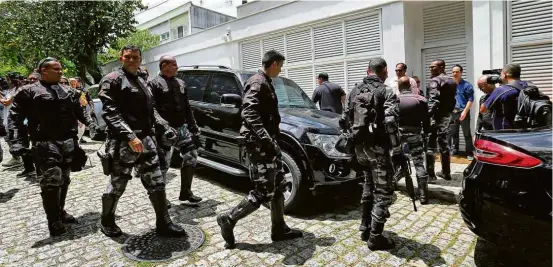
149, 246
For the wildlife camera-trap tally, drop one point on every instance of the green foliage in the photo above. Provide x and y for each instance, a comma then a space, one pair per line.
74, 31
141, 38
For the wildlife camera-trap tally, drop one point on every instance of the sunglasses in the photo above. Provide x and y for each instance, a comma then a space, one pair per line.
66, 83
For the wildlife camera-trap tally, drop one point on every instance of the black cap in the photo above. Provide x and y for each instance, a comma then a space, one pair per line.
323, 75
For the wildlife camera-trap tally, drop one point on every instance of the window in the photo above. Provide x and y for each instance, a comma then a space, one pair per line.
195, 84
289, 94
164, 37
222, 84
180, 31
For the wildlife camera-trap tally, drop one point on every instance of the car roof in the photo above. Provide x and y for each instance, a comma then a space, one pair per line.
216, 68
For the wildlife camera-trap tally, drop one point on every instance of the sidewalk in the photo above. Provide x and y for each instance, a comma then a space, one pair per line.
443, 190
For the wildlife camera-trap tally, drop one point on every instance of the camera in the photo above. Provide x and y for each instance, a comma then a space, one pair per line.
494, 76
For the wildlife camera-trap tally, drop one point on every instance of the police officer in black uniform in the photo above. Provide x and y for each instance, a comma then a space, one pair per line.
171, 101
260, 127
129, 113
413, 121
441, 102
53, 110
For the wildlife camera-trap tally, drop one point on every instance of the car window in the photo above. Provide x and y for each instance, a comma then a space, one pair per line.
221, 84
195, 84
289, 94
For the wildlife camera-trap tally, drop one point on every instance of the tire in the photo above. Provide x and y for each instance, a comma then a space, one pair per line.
96, 135
297, 194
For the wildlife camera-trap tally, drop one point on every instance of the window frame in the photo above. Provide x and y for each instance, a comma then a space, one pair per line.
209, 88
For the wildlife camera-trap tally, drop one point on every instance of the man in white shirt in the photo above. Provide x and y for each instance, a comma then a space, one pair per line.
401, 70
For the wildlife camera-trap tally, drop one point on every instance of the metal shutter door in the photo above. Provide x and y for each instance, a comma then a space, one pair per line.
444, 22
363, 34
304, 78
251, 55
357, 70
298, 46
335, 72
535, 62
274, 43
328, 41
530, 18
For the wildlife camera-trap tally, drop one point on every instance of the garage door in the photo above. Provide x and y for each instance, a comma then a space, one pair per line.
530, 41
340, 47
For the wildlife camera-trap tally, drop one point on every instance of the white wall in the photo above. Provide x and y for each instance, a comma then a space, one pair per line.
256, 6
393, 36
413, 39
284, 17
160, 28
488, 42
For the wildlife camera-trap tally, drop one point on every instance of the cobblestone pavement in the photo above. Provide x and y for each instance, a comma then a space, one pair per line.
433, 236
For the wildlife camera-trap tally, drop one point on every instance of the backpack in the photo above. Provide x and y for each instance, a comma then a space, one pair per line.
533, 108
364, 112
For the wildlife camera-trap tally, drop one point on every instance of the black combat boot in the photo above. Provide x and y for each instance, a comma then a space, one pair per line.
430, 161
65, 217
366, 218
164, 225
377, 241
279, 230
28, 166
51, 203
423, 189
227, 221
446, 167
107, 224
186, 176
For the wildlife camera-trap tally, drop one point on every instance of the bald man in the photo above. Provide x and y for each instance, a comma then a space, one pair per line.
485, 119
171, 101
413, 121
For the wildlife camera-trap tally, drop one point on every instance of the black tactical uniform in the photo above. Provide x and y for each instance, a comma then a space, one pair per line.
413, 118
373, 155
52, 111
441, 102
128, 110
171, 101
260, 127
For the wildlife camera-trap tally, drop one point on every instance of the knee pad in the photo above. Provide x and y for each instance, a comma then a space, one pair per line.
188, 160
52, 177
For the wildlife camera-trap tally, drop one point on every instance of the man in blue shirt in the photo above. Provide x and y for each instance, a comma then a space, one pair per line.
502, 102
461, 113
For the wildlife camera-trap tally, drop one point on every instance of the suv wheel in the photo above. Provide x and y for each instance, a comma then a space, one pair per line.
96, 135
296, 193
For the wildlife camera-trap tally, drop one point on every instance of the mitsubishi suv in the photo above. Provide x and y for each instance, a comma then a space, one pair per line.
307, 138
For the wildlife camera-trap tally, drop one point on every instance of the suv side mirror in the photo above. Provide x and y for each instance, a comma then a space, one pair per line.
231, 99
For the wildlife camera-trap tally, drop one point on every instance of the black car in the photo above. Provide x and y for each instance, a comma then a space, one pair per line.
308, 135
506, 195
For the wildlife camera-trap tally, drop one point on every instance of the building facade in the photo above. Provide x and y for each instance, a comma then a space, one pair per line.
339, 37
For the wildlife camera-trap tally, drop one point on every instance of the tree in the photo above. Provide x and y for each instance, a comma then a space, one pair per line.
141, 38
75, 31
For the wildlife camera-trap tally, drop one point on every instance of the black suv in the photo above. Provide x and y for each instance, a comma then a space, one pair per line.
307, 136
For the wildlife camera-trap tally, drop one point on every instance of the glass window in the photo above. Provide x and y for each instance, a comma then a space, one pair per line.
222, 84
195, 84
180, 31
289, 94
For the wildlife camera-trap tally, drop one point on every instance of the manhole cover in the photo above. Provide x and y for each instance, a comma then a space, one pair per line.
149, 246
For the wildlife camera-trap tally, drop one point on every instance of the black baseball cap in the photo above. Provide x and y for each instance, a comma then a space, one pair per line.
323, 75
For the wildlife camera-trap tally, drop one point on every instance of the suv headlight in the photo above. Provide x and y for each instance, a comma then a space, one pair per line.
326, 143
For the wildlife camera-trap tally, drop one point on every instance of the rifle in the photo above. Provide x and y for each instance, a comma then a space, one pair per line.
404, 169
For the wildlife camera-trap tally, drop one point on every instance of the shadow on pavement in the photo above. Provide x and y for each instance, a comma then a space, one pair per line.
306, 244
87, 225
488, 254
186, 213
5, 197
405, 248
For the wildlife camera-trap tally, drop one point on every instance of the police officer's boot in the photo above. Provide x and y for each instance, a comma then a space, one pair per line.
366, 219
377, 241
28, 166
65, 217
446, 167
107, 223
164, 225
423, 189
51, 203
227, 221
186, 176
430, 161
279, 230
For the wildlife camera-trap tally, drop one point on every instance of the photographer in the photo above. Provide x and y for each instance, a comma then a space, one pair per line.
502, 102
485, 120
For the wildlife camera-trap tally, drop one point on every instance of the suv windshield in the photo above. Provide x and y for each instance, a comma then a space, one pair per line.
289, 94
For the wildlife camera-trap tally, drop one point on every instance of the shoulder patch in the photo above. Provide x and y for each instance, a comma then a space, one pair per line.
112, 75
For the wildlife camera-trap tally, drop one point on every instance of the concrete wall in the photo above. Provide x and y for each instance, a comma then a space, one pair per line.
413, 38
253, 7
393, 36
160, 28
